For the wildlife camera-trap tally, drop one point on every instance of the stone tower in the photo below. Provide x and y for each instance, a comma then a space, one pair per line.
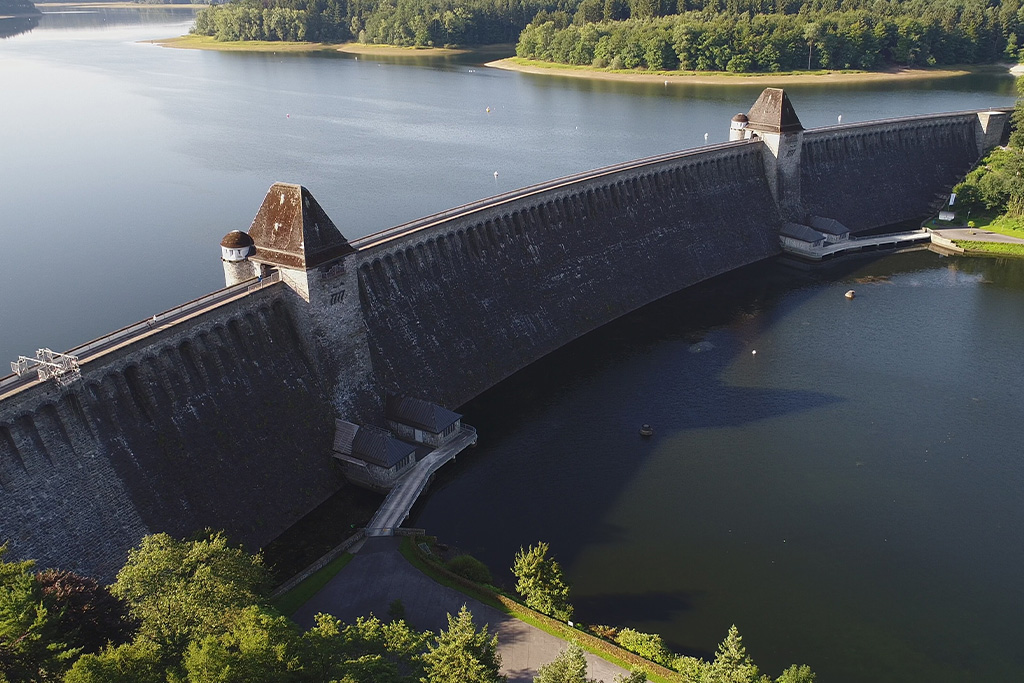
773, 120
235, 249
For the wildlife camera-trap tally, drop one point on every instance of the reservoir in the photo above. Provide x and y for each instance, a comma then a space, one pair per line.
846, 495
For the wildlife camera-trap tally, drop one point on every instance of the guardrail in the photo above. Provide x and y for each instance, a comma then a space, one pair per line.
144, 326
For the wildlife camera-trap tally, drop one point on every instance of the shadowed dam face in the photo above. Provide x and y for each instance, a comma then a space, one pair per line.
225, 418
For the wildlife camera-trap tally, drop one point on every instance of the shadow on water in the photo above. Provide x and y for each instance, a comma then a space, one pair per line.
664, 364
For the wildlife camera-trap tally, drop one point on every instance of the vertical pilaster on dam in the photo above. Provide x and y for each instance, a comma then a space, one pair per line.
993, 130
773, 120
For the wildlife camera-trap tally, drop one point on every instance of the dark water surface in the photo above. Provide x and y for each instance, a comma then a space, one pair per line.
849, 496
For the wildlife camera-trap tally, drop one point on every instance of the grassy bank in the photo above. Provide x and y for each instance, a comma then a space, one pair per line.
194, 42
291, 601
490, 596
992, 248
724, 78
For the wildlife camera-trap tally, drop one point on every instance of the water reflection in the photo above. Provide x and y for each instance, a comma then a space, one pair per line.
12, 26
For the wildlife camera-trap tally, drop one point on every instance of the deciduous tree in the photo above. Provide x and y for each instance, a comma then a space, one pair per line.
539, 580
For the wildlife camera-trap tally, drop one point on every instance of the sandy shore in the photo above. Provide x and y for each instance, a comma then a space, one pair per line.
706, 78
193, 42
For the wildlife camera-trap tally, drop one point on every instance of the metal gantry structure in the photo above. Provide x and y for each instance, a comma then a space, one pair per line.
60, 367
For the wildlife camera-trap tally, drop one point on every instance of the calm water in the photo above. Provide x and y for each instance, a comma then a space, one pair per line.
849, 495
844, 495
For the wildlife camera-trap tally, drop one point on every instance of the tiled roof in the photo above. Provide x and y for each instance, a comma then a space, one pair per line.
344, 435
801, 232
292, 230
380, 447
421, 414
773, 113
829, 226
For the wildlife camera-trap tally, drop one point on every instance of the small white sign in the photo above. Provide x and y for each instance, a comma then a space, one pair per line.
952, 198
946, 215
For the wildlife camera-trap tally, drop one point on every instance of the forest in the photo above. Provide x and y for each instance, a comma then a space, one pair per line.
699, 35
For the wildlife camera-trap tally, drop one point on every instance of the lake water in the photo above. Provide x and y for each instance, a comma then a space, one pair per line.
846, 495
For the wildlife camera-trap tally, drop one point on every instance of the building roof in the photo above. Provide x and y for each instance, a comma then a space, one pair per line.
292, 230
370, 444
344, 435
380, 447
773, 113
829, 226
424, 415
740, 118
236, 239
801, 232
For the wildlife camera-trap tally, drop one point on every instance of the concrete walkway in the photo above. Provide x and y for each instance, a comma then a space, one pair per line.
401, 498
379, 574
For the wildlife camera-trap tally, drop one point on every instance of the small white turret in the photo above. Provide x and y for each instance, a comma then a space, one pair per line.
235, 249
738, 127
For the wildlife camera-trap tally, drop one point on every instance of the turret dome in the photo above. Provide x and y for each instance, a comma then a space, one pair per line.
236, 239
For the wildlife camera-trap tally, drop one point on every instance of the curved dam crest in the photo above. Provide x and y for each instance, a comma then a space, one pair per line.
225, 417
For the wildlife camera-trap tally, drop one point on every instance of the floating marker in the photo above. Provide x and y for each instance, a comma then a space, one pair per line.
495, 175
840, 118
754, 352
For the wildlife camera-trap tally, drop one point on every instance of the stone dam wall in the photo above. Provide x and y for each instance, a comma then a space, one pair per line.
219, 422
876, 174
453, 309
225, 420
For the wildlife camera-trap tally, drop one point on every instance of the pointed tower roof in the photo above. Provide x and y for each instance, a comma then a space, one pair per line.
773, 113
292, 230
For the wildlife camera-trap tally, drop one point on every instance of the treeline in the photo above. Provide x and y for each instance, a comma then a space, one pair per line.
391, 22
889, 34
198, 611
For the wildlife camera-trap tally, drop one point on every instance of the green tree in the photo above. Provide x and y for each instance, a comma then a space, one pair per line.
634, 676
732, 663
540, 582
570, 666
32, 644
812, 34
258, 648
140, 661
647, 645
796, 674
182, 591
368, 651
462, 654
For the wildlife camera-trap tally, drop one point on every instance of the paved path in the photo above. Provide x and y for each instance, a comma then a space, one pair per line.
977, 235
378, 574
401, 498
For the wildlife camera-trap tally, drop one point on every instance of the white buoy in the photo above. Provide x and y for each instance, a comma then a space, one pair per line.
840, 118
850, 294
705, 138
495, 175
754, 352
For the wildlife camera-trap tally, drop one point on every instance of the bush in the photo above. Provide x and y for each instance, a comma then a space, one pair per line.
468, 567
647, 645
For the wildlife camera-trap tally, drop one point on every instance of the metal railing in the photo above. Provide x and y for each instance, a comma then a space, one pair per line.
168, 317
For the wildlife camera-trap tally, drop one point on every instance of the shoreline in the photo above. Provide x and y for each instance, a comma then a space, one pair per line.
193, 42
717, 78
117, 5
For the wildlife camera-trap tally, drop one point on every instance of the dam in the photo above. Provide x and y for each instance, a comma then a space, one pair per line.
224, 417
